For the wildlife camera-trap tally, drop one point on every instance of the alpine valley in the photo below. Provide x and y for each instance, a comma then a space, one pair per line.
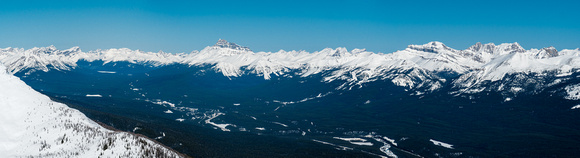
227, 101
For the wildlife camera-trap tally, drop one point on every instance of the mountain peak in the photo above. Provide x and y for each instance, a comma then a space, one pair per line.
225, 44
432, 47
72, 50
436, 44
48, 49
547, 52
476, 47
512, 47
482, 47
550, 48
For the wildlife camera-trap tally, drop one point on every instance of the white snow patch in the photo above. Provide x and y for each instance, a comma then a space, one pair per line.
516, 89
186, 109
439, 143
281, 124
385, 149
356, 141
160, 137
351, 139
339, 147
107, 72
320, 95
362, 143
220, 126
507, 99
573, 92
564, 74
164, 103
390, 140
94, 95
168, 112
575, 107
386, 146
180, 119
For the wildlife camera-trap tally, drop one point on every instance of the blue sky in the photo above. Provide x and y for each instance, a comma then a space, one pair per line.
379, 26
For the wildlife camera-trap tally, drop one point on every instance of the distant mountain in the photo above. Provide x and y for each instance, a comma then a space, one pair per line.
421, 68
35, 126
225, 44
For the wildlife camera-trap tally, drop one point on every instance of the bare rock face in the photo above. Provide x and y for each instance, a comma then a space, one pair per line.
547, 53
225, 44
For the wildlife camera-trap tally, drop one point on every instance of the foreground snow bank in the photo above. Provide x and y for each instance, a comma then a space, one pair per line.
32, 125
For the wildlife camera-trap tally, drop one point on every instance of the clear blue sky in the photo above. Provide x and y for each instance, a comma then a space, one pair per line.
380, 26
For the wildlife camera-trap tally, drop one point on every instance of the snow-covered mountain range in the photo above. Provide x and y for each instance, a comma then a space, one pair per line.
422, 68
35, 126
433, 68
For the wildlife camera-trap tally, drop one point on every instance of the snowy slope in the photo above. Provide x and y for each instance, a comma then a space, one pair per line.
34, 126
419, 67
